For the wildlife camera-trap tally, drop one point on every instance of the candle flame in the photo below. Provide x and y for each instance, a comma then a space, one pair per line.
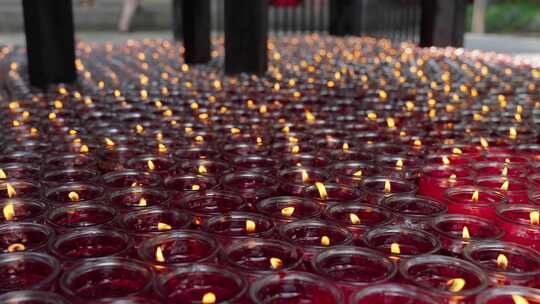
286, 129
534, 217
505, 185
504, 171
345, 146
10, 190
9, 211
162, 148
394, 248
209, 298
139, 129
484, 143
150, 165
310, 118
417, 142
475, 196
3, 174
73, 196
250, 226
287, 211
391, 123
295, 149
109, 142
457, 151
235, 130
293, 139
143, 202
305, 176
387, 186
276, 263
84, 149
399, 164
322, 190
519, 299
445, 160
159, 254
202, 169
163, 226
259, 141
455, 285
16, 247
195, 187
512, 133
325, 240
465, 234
502, 261
199, 138
358, 173
354, 218
452, 178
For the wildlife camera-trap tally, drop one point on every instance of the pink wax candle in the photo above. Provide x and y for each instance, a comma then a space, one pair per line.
379, 187
509, 295
436, 179
24, 237
514, 188
28, 270
22, 210
293, 181
236, 225
413, 210
520, 223
394, 294
294, 287
505, 263
284, 209
473, 201
205, 204
80, 215
128, 178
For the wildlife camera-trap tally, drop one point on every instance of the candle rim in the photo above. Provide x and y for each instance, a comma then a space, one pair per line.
32, 295
42, 258
471, 189
282, 230
410, 291
47, 231
241, 216
470, 218
433, 240
500, 210
263, 206
492, 293
442, 208
50, 216
360, 206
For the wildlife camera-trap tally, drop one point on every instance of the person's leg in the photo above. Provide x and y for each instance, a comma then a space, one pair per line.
128, 10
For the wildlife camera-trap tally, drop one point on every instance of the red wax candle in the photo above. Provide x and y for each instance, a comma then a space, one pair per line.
23, 157
115, 159
447, 159
130, 178
509, 295
70, 175
80, 215
205, 204
451, 279
20, 209
394, 294
169, 250
27, 270
135, 197
237, 225
473, 201
515, 189
32, 296
75, 193
353, 268
241, 149
506, 263
520, 223
20, 171
251, 186
19, 189
379, 187
330, 193
413, 210
205, 167
304, 160
70, 160
182, 185
351, 173
436, 179
293, 181
500, 169
24, 237
197, 153
284, 209
294, 287
256, 163
201, 283
354, 155
406, 167
106, 278
161, 165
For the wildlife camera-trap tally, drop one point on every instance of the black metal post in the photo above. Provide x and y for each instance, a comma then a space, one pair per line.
246, 35
50, 42
177, 19
196, 30
442, 23
345, 17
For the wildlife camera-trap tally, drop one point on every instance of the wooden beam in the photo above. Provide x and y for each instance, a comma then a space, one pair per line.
196, 30
246, 36
442, 23
345, 17
50, 42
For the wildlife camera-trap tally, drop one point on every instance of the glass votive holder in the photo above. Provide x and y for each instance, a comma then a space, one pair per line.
161, 165
353, 155
19, 189
149, 222
80, 215
515, 189
22, 157
205, 204
28, 271
260, 257
500, 169
505, 263
70, 160
201, 283
251, 186
285, 209
137, 198
237, 225
470, 200
379, 187
197, 153
293, 181
88, 243
20, 171
22, 210
130, 178
452, 280
74, 193
414, 211
520, 224
205, 167
115, 159
400, 243
32, 297
394, 293
448, 159
294, 287
436, 179
257, 163
330, 193
353, 268
304, 160
103, 278
405, 167
70, 175
169, 250
183, 185
509, 295
24, 237
314, 236
351, 173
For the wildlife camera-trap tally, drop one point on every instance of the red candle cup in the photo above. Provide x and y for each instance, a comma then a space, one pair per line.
74, 193
400, 243
355, 155
136, 198
27, 271
351, 173
455, 231
205, 167
131, 178
161, 165
473, 201
80, 215
233, 226
260, 257
330, 193
500, 169
169, 250
70, 160
405, 167
115, 159
251, 186
234, 150
293, 181
197, 153
452, 280
414, 211
70, 175
19, 189
379, 187
515, 189
182, 185
520, 223
505, 263
23, 157
284, 209
447, 159
436, 179
201, 283
353, 268
509, 295
509, 158
205, 204
106, 278
294, 287
22, 210
20, 171
32, 296
24, 237
304, 160
255, 163
394, 294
